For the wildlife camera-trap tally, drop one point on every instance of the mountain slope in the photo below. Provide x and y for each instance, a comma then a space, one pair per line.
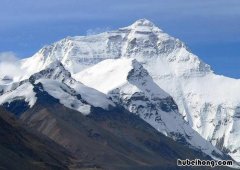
98, 132
209, 102
133, 89
23, 149
102, 140
128, 84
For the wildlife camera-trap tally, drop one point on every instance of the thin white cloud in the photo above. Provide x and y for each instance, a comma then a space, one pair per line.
8, 57
9, 65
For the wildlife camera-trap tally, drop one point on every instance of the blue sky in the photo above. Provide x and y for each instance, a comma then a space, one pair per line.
211, 28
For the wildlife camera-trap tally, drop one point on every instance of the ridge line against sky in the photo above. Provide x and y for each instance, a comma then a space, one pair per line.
210, 28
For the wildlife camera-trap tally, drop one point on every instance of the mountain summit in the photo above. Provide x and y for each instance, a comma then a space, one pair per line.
141, 40
143, 25
143, 22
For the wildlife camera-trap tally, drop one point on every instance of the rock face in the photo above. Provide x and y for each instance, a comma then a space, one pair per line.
209, 102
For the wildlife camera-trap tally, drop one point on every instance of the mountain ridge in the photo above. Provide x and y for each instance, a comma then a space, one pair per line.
136, 91
57, 81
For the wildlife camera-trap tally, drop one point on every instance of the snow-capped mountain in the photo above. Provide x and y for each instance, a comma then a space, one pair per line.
127, 83
209, 102
124, 81
141, 39
57, 82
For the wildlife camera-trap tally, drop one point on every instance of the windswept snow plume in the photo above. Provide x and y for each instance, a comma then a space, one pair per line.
9, 66
94, 31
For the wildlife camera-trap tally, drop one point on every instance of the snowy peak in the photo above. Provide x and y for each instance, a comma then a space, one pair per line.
115, 73
138, 72
140, 77
142, 40
54, 71
129, 85
56, 81
126, 79
143, 24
